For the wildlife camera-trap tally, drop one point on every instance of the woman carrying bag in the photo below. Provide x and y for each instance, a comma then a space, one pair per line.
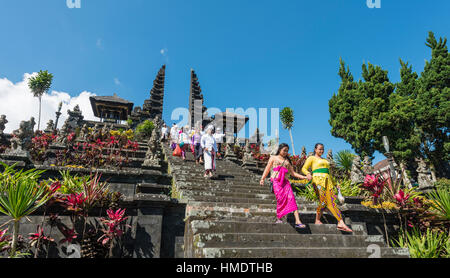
281, 165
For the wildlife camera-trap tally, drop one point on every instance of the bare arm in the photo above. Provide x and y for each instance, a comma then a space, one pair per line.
266, 171
295, 174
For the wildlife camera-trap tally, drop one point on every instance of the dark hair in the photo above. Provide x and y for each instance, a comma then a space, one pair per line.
316, 145
282, 146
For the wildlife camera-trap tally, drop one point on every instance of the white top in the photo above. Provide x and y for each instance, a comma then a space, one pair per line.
208, 142
219, 137
164, 130
183, 138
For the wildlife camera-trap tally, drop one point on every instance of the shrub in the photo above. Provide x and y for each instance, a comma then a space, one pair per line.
145, 129
427, 245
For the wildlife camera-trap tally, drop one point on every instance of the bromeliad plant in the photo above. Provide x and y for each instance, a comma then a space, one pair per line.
375, 185
112, 227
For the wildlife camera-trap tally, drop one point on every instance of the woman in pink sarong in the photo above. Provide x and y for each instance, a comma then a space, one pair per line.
281, 165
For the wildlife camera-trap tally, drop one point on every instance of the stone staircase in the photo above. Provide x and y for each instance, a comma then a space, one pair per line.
232, 216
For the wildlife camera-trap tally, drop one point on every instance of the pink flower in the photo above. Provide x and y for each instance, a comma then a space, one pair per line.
401, 198
75, 202
68, 234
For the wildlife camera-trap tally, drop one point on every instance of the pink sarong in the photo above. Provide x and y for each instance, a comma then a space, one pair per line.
286, 202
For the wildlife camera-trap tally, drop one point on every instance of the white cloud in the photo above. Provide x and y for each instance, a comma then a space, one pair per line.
163, 51
117, 81
18, 104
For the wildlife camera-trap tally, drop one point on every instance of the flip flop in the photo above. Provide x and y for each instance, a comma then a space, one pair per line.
345, 230
300, 226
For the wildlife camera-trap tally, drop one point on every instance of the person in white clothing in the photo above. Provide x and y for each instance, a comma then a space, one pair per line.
183, 141
164, 133
209, 146
174, 136
218, 135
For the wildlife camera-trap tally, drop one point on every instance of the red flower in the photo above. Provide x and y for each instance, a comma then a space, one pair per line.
54, 187
401, 198
75, 202
113, 230
39, 236
69, 235
2, 235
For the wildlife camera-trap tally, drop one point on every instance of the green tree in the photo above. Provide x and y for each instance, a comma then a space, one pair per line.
414, 113
433, 102
39, 85
287, 119
358, 110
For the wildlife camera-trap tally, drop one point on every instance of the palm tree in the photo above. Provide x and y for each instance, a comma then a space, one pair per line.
287, 119
344, 161
39, 85
20, 196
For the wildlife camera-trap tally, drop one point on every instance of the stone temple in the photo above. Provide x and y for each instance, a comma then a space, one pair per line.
173, 212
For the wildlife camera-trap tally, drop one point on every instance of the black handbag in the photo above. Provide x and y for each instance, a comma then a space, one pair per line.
271, 182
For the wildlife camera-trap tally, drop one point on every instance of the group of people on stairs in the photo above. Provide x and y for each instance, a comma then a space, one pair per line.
205, 145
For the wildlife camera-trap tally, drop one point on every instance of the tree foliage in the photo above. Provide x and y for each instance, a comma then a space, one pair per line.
413, 113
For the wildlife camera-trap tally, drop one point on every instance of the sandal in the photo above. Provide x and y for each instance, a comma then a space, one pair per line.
279, 221
300, 226
345, 229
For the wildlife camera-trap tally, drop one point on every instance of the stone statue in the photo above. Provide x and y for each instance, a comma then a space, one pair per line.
303, 153
75, 118
367, 166
84, 132
356, 174
50, 127
152, 156
331, 161
96, 133
63, 133
424, 178
3, 122
21, 141
248, 157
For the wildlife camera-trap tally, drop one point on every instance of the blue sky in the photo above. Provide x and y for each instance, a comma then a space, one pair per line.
246, 53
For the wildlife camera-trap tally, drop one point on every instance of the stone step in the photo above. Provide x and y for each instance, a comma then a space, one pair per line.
251, 214
153, 188
206, 181
270, 240
229, 226
249, 194
303, 252
224, 188
219, 200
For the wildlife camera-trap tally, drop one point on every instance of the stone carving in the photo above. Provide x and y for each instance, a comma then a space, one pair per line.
367, 166
303, 152
75, 118
3, 122
50, 127
152, 156
21, 141
356, 174
63, 133
84, 133
247, 152
424, 177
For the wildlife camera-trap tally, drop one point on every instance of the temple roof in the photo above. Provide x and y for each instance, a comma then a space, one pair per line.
111, 103
112, 99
